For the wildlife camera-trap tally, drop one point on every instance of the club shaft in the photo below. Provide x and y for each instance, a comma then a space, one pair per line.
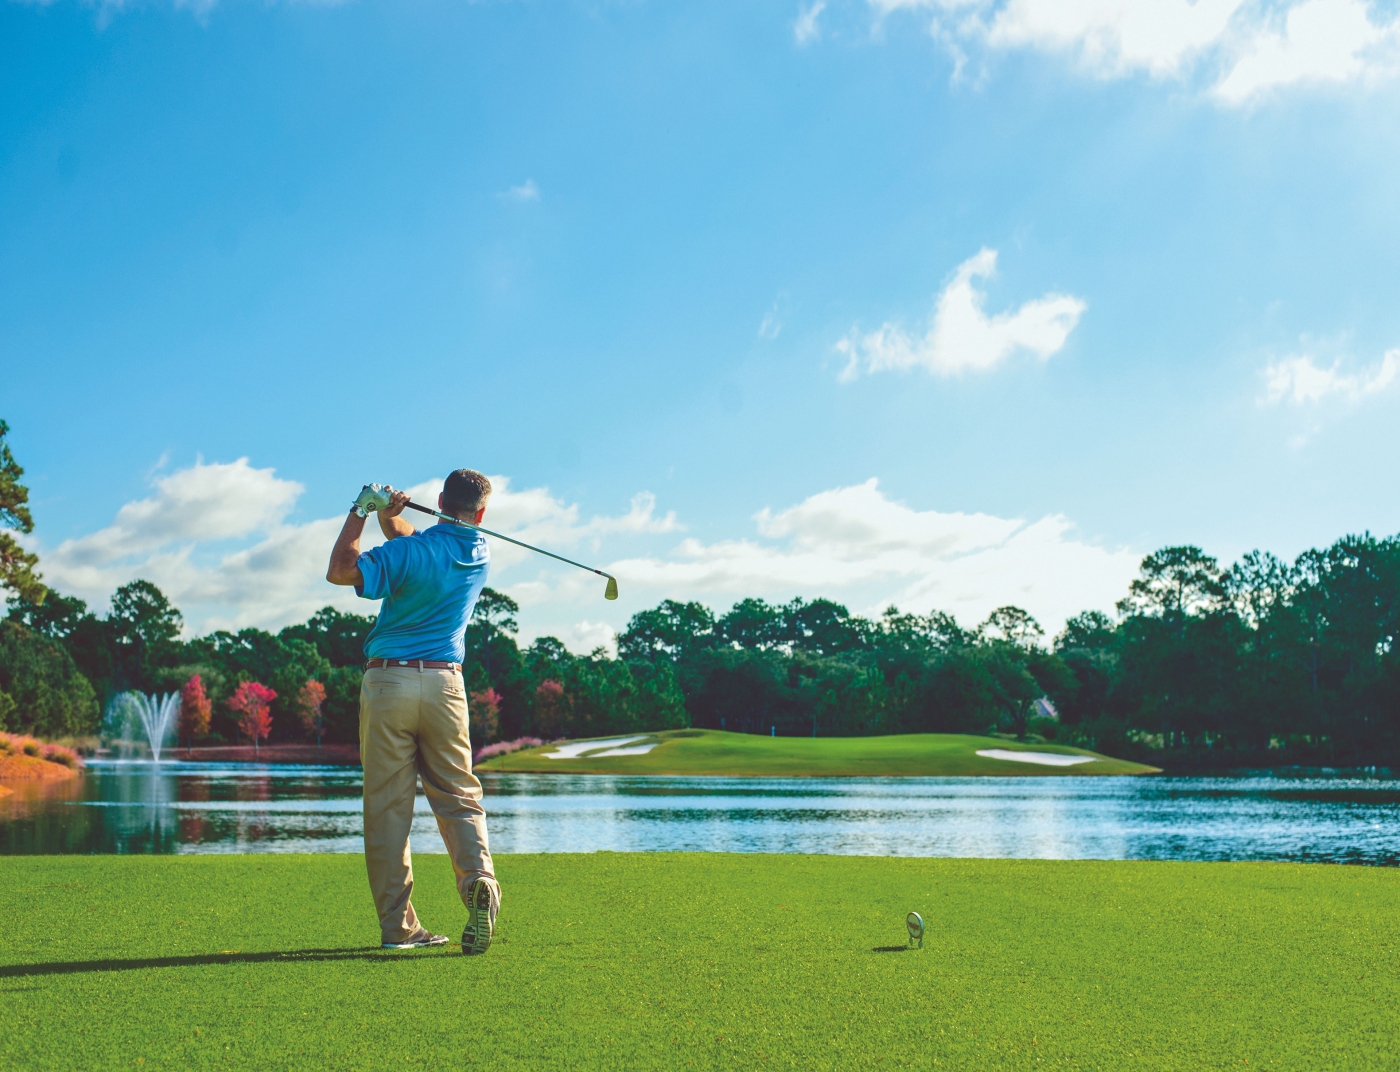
508, 539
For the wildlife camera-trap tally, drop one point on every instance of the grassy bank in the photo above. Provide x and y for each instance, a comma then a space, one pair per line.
745, 754
701, 961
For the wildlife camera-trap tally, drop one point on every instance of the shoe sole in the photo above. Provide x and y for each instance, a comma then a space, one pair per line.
440, 939
476, 937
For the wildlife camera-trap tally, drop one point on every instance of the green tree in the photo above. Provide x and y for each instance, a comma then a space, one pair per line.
673, 629
1090, 631
751, 623
49, 697
1088, 645
338, 637
55, 616
740, 689
17, 572
490, 638
1175, 583
1013, 626
822, 627
145, 627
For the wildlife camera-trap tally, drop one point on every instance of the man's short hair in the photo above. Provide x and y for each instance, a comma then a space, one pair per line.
464, 492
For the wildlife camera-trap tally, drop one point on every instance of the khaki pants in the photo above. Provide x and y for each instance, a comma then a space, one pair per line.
414, 723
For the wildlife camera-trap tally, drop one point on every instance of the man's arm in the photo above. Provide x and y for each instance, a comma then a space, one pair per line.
344, 568
390, 523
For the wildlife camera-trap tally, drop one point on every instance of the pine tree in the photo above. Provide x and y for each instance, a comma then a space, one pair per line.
16, 564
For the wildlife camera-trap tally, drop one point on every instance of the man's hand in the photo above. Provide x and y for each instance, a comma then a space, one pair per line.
372, 497
390, 523
397, 501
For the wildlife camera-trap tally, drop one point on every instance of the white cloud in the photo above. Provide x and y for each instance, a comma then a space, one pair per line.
204, 502
1115, 36
1322, 41
805, 30
1301, 381
961, 337
215, 539
1260, 46
526, 191
857, 545
230, 568
588, 636
884, 7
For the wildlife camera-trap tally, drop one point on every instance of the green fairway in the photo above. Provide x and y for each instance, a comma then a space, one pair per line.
701, 961
747, 754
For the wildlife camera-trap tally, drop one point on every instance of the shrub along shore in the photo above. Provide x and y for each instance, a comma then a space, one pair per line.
26, 759
704, 961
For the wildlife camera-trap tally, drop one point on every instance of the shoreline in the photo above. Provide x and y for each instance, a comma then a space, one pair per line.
331, 755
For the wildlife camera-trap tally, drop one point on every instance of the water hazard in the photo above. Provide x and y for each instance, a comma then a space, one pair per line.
174, 807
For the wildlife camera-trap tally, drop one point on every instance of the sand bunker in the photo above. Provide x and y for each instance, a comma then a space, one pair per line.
1045, 759
613, 746
635, 750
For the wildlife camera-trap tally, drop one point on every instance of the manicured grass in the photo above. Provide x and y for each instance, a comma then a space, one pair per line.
701, 961
746, 754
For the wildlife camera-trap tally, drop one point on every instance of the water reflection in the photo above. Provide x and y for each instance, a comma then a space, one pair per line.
143, 807
199, 807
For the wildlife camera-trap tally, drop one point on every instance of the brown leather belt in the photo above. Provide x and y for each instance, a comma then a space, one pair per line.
417, 664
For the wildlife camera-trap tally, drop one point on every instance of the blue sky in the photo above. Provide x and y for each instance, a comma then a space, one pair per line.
1068, 279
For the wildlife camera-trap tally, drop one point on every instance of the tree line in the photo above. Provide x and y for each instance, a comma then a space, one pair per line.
1264, 662
61, 664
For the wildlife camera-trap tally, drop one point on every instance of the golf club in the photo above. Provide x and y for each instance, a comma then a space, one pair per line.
608, 593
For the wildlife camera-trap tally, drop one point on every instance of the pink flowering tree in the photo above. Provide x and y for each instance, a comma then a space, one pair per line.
309, 700
551, 708
484, 713
195, 710
252, 700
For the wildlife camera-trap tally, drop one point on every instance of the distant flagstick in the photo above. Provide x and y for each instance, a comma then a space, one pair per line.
608, 593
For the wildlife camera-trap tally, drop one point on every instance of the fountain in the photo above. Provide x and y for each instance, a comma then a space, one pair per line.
155, 715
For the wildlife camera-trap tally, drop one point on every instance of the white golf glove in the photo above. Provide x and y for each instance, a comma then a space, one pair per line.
372, 497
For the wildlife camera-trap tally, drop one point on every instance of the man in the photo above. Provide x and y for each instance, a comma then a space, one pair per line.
413, 705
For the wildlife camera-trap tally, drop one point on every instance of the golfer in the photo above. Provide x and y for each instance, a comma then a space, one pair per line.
413, 705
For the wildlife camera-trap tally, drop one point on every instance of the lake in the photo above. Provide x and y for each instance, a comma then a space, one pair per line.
175, 807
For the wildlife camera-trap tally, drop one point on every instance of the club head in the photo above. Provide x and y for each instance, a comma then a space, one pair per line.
610, 592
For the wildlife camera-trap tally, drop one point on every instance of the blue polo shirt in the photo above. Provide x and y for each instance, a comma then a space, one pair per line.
429, 582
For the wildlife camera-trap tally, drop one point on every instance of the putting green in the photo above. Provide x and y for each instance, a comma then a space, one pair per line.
746, 754
701, 961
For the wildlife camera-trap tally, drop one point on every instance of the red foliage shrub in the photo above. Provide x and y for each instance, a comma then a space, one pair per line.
484, 713
251, 700
308, 704
195, 710
19, 744
66, 757
551, 708
505, 748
